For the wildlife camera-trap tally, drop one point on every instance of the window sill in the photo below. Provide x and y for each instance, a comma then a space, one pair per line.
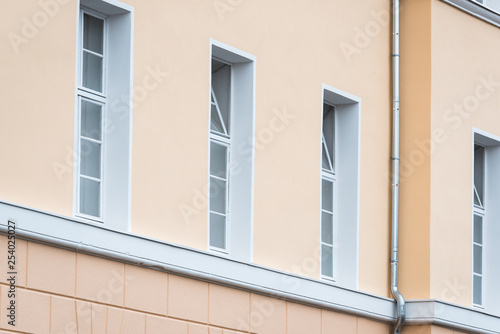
476, 9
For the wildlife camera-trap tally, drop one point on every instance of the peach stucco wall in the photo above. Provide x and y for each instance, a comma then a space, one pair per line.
459, 75
37, 105
414, 167
299, 45
61, 291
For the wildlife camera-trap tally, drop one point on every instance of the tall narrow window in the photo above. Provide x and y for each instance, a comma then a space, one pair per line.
479, 220
230, 179
92, 107
328, 179
103, 113
220, 144
339, 186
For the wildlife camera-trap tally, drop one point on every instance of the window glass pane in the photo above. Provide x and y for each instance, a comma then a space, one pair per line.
476, 198
479, 172
92, 72
478, 259
215, 121
326, 227
90, 197
478, 229
218, 159
327, 260
327, 163
477, 290
91, 120
90, 157
221, 84
329, 131
217, 195
217, 231
327, 195
93, 32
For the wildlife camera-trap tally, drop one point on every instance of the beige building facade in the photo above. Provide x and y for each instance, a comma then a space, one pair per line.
224, 166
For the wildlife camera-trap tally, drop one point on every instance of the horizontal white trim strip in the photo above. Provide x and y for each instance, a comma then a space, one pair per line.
81, 236
439, 313
84, 237
476, 9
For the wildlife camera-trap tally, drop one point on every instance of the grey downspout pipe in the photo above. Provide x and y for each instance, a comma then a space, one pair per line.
400, 302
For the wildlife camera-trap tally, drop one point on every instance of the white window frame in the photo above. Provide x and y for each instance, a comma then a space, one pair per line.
490, 226
96, 97
84, 10
240, 165
116, 114
329, 176
102, 155
479, 210
347, 132
220, 140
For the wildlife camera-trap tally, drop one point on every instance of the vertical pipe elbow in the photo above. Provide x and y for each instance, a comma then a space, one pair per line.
400, 306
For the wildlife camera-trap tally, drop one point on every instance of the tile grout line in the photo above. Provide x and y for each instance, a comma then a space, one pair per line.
50, 314
76, 272
208, 308
76, 315
124, 283
250, 313
107, 315
286, 317
91, 319
26, 278
321, 321
168, 293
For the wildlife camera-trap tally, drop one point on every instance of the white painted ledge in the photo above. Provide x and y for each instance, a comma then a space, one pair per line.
439, 313
84, 237
476, 9
80, 236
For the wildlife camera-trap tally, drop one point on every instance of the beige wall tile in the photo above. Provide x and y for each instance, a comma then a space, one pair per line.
133, 322
366, 326
114, 320
440, 330
99, 317
100, 280
51, 269
267, 315
161, 325
20, 258
197, 329
416, 330
146, 290
303, 319
62, 315
187, 299
32, 311
333, 322
213, 330
228, 307
84, 316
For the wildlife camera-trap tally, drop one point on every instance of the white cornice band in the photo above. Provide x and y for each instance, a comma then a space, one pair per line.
80, 236
476, 9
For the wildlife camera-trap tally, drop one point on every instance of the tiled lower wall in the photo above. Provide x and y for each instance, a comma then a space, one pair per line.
63, 292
